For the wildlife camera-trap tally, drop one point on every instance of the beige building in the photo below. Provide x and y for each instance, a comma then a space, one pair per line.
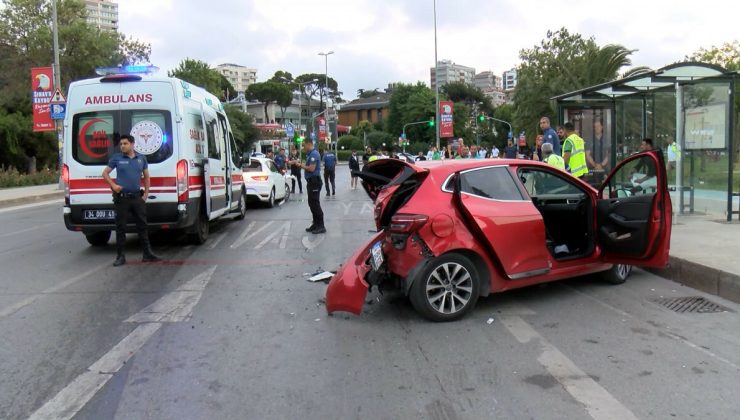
239, 76
447, 72
102, 14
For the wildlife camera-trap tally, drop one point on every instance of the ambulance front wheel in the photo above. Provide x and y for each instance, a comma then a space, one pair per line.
98, 238
200, 229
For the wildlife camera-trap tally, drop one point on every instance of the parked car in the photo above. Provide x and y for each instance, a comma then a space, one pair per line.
454, 231
264, 182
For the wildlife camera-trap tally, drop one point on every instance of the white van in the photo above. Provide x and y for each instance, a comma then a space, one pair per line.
182, 130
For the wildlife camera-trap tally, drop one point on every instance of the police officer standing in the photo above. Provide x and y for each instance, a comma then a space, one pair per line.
129, 197
330, 166
312, 171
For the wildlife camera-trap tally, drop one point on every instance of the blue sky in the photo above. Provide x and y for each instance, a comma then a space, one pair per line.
378, 42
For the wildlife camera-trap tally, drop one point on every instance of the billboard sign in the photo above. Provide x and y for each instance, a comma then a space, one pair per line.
446, 125
42, 84
322, 129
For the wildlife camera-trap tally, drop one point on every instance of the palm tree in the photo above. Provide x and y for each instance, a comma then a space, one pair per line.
604, 63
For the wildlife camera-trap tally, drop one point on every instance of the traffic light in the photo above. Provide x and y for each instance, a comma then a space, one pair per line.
481, 117
298, 139
431, 122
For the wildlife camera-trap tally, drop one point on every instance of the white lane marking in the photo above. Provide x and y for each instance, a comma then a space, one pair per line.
214, 243
176, 306
309, 244
70, 400
27, 230
599, 403
67, 403
32, 205
285, 229
367, 207
246, 235
10, 310
669, 333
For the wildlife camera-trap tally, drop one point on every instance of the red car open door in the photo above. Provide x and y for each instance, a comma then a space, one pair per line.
634, 213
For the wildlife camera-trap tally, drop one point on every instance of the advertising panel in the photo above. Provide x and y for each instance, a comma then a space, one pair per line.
42, 84
446, 125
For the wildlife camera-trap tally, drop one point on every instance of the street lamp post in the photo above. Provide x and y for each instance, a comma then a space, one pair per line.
300, 107
403, 131
326, 86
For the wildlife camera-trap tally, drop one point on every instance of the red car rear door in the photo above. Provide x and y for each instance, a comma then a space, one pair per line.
506, 222
634, 213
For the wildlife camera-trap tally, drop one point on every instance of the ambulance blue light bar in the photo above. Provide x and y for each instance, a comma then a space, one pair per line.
139, 69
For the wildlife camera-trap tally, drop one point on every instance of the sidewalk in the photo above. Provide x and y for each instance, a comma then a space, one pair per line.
25, 195
704, 247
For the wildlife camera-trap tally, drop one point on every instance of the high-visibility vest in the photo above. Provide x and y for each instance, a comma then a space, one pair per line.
577, 161
674, 149
372, 158
556, 161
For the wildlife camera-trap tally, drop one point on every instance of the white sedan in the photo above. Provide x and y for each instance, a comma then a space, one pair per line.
264, 182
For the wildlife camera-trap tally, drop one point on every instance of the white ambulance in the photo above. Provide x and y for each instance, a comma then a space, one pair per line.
182, 130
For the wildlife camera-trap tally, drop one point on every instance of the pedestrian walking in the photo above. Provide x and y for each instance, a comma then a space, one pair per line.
312, 171
295, 170
128, 197
354, 165
330, 165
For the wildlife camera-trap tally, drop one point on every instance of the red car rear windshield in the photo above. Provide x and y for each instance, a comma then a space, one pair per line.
95, 135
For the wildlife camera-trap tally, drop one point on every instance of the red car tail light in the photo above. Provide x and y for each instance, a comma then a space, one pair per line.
407, 223
183, 186
260, 177
65, 180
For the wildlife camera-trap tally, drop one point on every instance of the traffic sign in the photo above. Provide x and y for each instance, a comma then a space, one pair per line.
58, 110
58, 97
289, 130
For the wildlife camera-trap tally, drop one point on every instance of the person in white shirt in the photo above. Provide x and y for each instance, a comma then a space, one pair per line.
494, 152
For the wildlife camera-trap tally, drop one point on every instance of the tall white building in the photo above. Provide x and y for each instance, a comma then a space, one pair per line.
510, 79
102, 14
447, 72
239, 76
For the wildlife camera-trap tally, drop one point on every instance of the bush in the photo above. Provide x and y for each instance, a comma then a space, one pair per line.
11, 177
350, 142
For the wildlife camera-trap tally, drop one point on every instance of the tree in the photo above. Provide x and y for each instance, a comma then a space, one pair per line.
25, 42
317, 85
411, 103
199, 73
363, 93
268, 92
242, 126
727, 55
361, 128
563, 62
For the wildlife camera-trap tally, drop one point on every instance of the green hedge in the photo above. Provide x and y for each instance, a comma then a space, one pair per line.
11, 177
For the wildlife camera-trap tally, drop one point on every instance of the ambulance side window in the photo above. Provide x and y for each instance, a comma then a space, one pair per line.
211, 129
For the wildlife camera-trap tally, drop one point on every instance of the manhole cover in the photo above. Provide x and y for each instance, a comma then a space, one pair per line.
691, 304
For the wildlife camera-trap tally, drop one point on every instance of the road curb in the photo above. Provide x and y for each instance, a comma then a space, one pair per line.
31, 199
701, 277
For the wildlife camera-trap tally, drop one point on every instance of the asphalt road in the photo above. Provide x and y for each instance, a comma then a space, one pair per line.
232, 330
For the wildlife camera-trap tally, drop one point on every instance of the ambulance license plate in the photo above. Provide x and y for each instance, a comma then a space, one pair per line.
100, 214
376, 255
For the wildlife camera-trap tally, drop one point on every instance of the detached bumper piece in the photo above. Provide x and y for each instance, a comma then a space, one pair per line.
348, 288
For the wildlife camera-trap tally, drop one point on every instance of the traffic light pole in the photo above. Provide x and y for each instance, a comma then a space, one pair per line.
403, 131
511, 130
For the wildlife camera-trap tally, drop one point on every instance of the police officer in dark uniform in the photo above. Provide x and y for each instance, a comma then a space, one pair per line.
312, 171
129, 197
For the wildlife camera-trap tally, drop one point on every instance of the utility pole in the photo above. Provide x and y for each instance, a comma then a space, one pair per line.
436, 79
57, 84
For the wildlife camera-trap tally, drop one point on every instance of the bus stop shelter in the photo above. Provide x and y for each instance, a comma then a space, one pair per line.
692, 104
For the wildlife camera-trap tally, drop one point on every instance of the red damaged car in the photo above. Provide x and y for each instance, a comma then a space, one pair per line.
454, 231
